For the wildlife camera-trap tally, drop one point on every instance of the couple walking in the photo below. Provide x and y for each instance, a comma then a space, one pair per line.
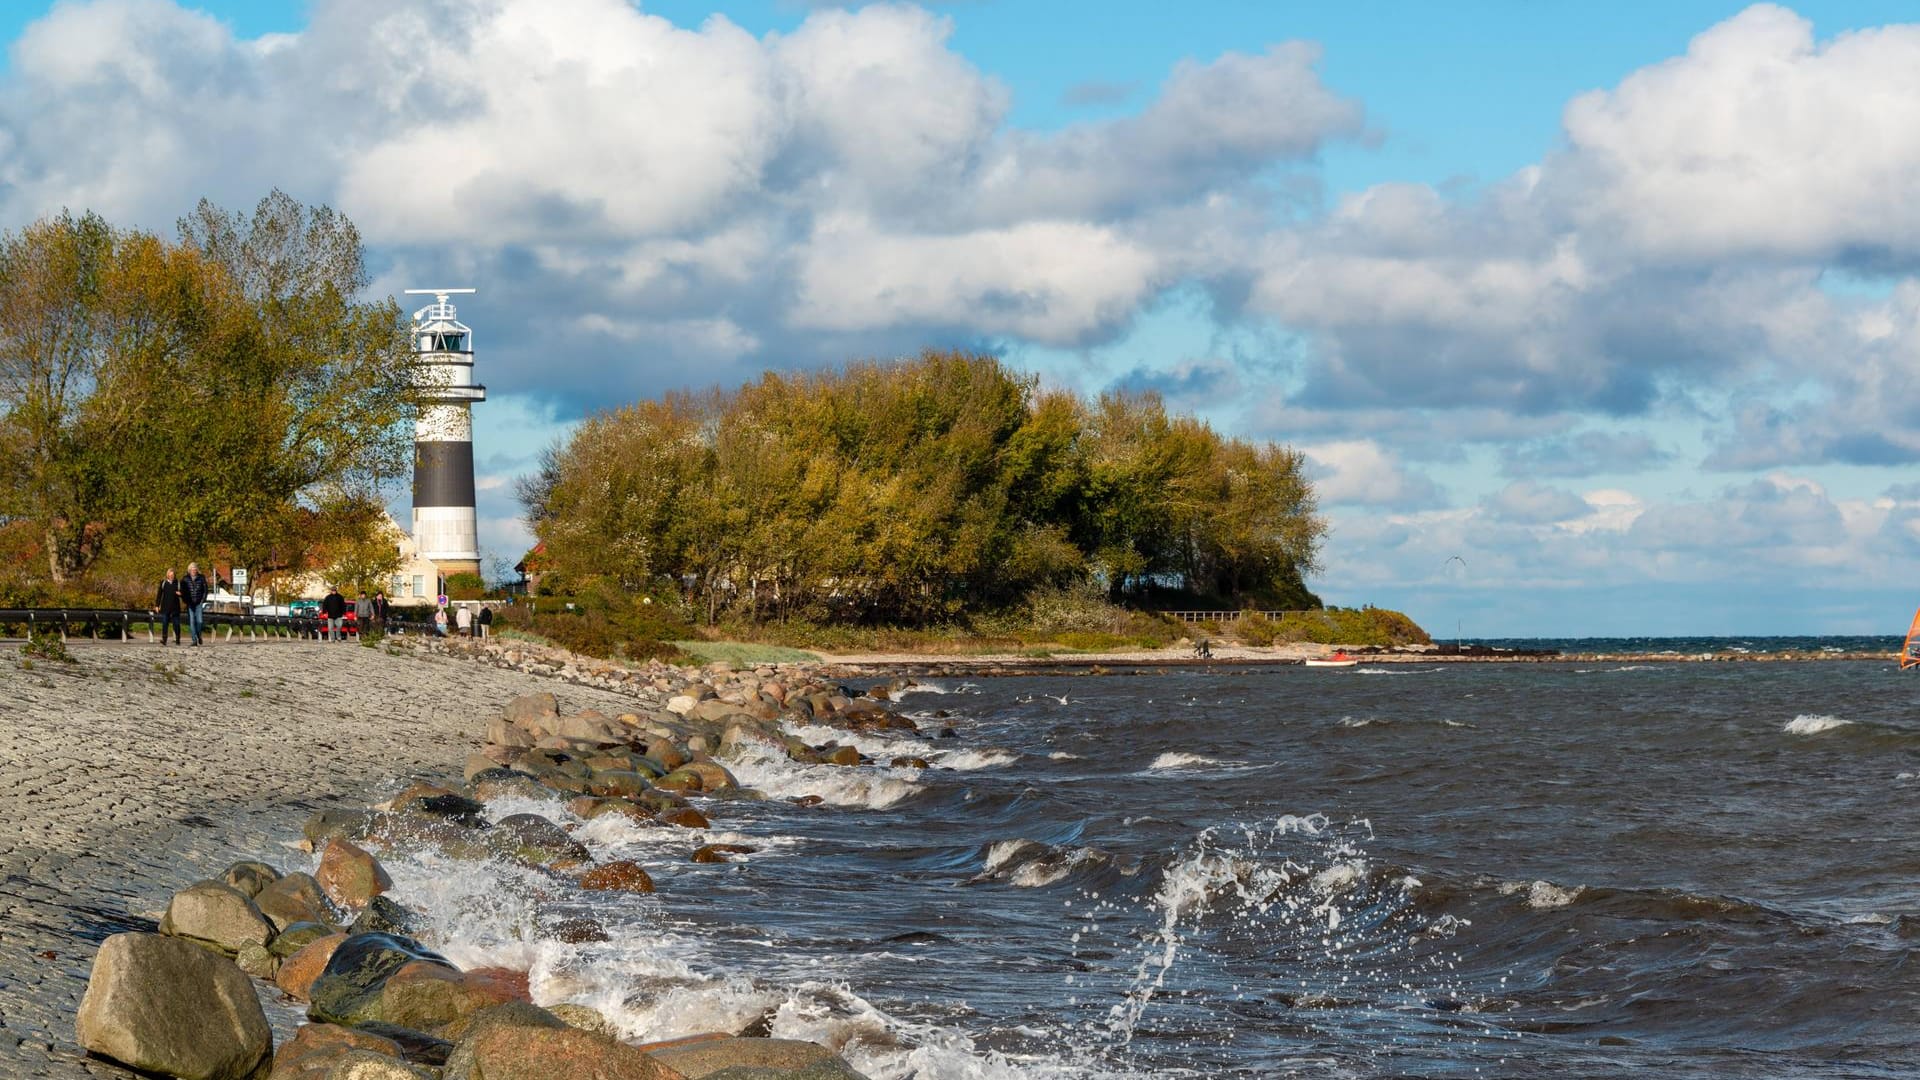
188, 595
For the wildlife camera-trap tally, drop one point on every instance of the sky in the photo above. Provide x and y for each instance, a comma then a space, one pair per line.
1590, 319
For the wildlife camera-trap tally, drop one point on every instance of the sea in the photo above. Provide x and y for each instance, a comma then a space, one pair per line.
1562, 869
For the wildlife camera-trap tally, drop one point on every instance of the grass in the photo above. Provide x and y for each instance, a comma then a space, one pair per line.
742, 653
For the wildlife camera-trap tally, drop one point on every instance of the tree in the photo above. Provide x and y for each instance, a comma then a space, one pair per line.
201, 396
52, 349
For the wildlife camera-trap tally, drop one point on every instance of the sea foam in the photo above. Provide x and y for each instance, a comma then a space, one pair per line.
1811, 724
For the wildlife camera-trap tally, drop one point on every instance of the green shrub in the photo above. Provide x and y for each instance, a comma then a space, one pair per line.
44, 643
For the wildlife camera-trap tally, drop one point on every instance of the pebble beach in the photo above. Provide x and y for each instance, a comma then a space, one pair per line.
140, 769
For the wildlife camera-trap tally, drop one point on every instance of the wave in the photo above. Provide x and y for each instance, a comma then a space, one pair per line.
1030, 864
886, 748
1813, 724
1173, 759
872, 787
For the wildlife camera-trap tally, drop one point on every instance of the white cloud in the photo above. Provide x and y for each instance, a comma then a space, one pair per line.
1360, 472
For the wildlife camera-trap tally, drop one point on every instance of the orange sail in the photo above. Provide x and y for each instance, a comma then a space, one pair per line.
1907, 657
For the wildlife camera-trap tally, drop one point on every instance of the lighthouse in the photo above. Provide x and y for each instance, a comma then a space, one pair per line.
444, 529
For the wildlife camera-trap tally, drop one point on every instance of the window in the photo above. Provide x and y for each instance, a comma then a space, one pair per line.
399, 586
419, 585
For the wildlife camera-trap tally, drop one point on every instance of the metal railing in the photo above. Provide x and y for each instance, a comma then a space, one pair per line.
120, 624
1193, 617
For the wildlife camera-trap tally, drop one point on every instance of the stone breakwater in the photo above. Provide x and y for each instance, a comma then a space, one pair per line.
379, 998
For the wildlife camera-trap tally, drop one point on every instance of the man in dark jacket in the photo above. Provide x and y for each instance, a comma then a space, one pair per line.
193, 597
380, 609
334, 607
166, 604
485, 622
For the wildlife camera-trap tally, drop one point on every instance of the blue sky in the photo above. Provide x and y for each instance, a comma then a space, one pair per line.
1617, 303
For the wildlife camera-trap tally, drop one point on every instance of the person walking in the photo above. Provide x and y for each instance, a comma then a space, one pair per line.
334, 607
440, 622
193, 597
485, 621
362, 614
380, 609
166, 604
463, 617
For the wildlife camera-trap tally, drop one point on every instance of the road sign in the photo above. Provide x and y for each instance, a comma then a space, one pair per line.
239, 577
441, 600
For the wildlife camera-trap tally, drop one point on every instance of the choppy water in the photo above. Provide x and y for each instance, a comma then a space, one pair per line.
1470, 870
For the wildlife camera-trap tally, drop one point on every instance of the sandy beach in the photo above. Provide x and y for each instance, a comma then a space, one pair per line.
142, 768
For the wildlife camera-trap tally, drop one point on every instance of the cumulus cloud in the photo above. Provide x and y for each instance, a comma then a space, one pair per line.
1585, 453
654, 195
1524, 502
1361, 472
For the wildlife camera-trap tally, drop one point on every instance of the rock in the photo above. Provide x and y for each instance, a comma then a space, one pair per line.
909, 763
617, 877
315, 1048
367, 1065
350, 875
510, 1014
681, 704
218, 914
715, 853
385, 916
844, 755
686, 817
348, 990
713, 777
256, 961
250, 877
327, 824
298, 971
680, 779
476, 764
532, 838
503, 1052
755, 1059
449, 806
617, 782
531, 710
163, 1005
574, 931
503, 732
298, 936
667, 754
508, 784
424, 995
415, 1046
588, 726
586, 1018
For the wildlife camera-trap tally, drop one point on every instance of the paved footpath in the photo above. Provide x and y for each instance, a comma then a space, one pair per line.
143, 768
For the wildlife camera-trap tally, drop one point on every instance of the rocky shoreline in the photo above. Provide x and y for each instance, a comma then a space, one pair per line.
380, 1001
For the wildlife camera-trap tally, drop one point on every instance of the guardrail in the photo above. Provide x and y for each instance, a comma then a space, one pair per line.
120, 624
1192, 617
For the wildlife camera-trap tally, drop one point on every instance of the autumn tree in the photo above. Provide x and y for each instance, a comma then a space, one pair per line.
914, 491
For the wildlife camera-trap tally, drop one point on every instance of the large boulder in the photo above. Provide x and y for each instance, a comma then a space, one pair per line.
425, 996
294, 898
384, 916
217, 914
620, 876
588, 726
756, 1059
350, 875
162, 1005
366, 1065
299, 970
507, 1052
713, 776
533, 839
349, 988
508, 784
315, 1048
250, 877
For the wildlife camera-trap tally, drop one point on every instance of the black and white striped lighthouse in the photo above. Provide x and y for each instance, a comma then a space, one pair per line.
444, 529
